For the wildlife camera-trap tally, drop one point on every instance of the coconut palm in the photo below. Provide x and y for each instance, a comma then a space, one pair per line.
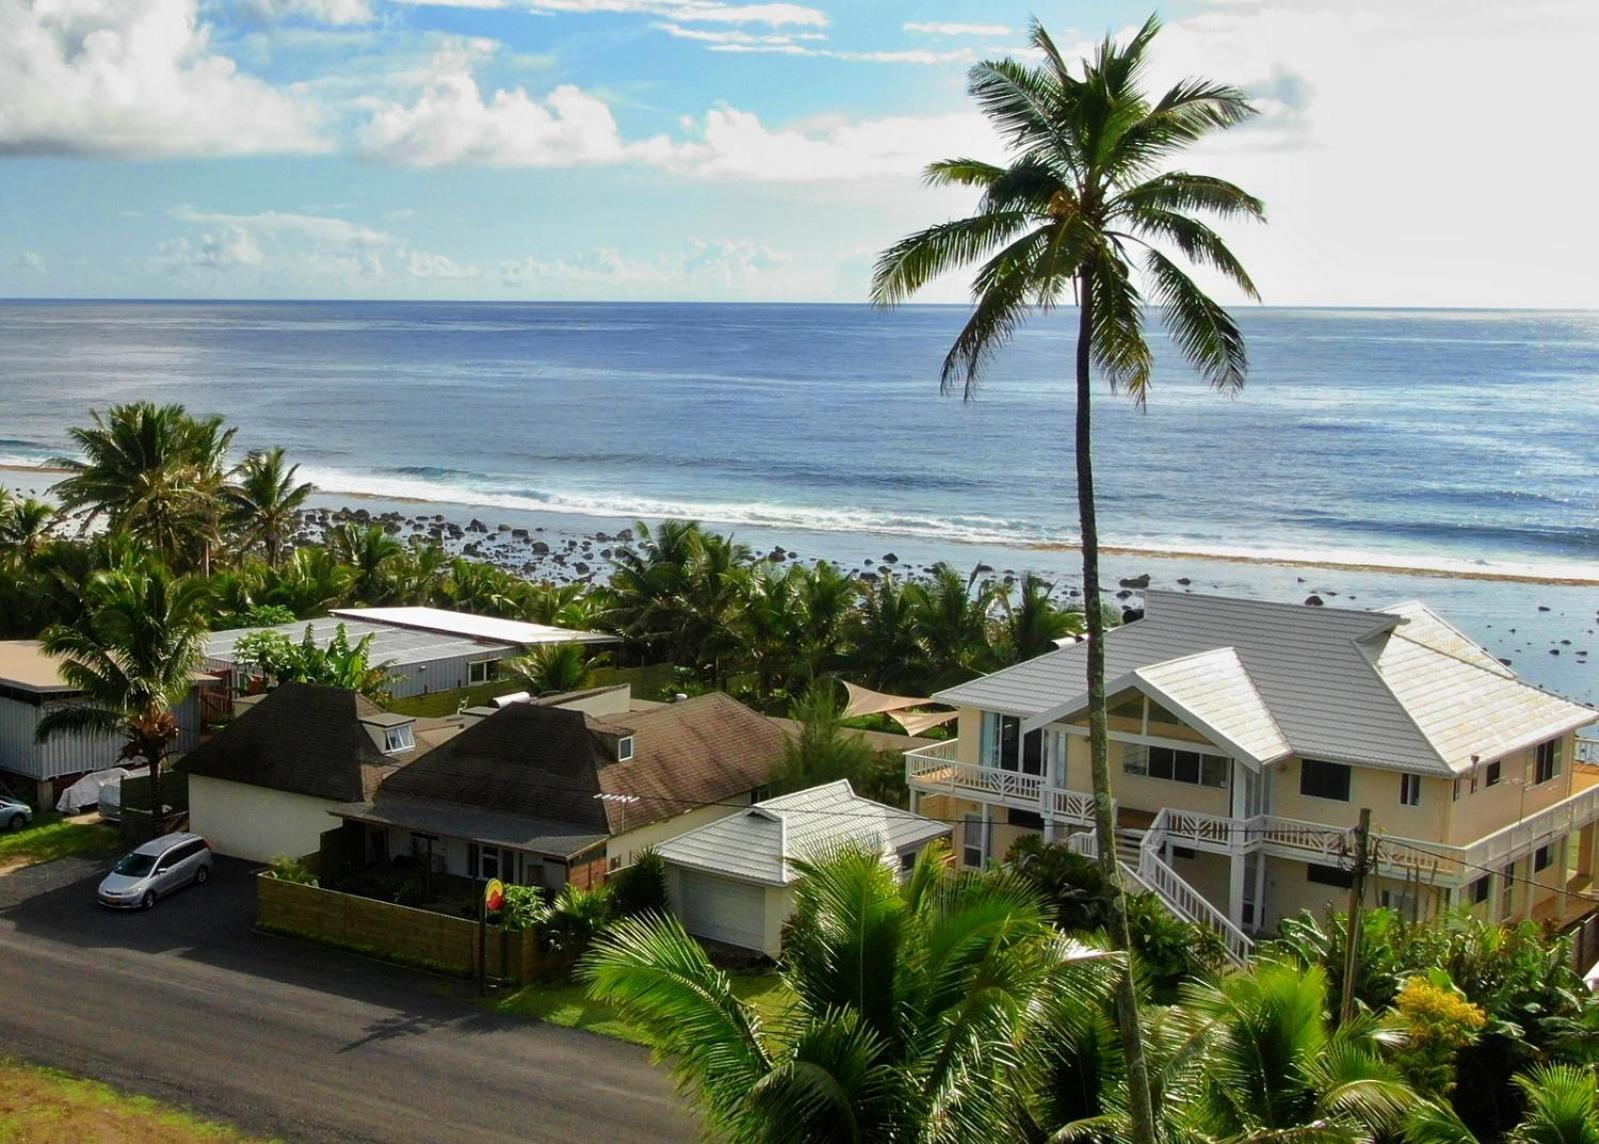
263, 503
764, 614
25, 527
369, 550
951, 612
154, 472
310, 582
674, 589
552, 668
472, 586
1083, 210
1562, 1108
132, 661
826, 597
1031, 621
884, 649
912, 1011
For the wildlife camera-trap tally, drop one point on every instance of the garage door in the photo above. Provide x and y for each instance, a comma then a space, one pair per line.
722, 909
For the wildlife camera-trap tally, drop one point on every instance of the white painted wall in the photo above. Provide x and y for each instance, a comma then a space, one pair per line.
256, 823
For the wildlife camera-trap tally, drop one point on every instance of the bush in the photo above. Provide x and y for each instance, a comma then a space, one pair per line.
286, 869
524, 907
641, 887
1073, 885
1437, 1022
1169, 951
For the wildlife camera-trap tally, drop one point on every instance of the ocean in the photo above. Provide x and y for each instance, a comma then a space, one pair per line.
1384, 454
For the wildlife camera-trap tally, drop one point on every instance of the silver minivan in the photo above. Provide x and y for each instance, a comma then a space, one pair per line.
155, 869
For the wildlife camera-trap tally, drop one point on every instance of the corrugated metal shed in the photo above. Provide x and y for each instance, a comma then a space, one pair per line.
759, 844
1348, 685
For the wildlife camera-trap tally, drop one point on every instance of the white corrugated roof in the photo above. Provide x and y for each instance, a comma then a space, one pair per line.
1330, 679
472, 627
391, 646
760, 844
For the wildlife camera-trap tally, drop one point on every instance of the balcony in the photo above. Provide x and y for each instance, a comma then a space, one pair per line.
934, 770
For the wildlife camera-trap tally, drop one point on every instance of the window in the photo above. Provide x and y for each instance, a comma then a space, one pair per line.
1541, 858
482, 671
1490, 777
1507, 900
1409, 790
1328, 876
487, 862
1401, 901
972, 840
1454, 791
1324, 780
907, 860
624, 748
1479, 890
397, 739
1183, 766
1547, 762
1025, 818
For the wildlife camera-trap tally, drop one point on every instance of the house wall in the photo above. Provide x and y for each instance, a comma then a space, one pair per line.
70, 753
256, 823
1513, 798
1374, 787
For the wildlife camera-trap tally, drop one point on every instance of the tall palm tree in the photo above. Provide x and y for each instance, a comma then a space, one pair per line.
264, 501
132, 661
154, 472
826, 598
765, 615
952, 616
1085, 206
1032, 622
912, 1009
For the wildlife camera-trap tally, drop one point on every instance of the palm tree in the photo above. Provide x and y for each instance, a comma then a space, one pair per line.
1562, 1108
132, 661
152, 471
765, 615
952, 615
25, 527
368, 550
1032, 623
553, 668
1085, 203
826, 598
264, 502
673, 592
310, 582
912, 1011
884, 648
473, 586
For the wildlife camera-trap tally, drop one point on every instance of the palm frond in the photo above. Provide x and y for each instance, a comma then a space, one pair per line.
917, 259
1203, 330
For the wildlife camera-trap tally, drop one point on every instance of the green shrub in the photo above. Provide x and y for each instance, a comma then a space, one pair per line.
286, 869
1170, 951
641, 887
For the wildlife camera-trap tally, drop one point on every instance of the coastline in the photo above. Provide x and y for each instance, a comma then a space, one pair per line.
1444, 568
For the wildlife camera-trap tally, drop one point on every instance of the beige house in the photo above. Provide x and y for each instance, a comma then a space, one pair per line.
1245, 739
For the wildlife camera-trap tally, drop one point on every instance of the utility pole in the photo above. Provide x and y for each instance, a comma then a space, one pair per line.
1357, 889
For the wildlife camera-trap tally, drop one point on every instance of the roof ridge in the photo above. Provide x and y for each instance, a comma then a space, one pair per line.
1248, 602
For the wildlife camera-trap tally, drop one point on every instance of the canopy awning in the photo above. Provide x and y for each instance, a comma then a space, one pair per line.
864, 701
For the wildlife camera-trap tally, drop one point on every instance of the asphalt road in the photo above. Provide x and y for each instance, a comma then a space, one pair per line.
187, 1004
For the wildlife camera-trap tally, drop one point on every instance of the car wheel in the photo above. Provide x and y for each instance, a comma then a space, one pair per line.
201, 875
148, 900
17, 822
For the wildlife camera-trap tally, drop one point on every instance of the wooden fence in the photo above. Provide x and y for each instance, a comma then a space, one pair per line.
396, 933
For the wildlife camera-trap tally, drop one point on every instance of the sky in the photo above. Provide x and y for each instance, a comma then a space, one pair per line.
1410, 152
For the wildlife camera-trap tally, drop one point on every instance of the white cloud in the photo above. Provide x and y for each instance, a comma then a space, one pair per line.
421, 264
451, 122
910, 56
696, 11
735, 35
32, 262
714, 268
336, 12
958, 29
134, 78
278, 224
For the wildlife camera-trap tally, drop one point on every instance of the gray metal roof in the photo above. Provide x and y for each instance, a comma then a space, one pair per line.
760, 844
1397, 688
394, 646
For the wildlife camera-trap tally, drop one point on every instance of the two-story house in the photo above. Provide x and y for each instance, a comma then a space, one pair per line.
1245, 739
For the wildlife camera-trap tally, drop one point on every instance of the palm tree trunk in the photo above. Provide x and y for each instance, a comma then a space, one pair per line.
1140, 1107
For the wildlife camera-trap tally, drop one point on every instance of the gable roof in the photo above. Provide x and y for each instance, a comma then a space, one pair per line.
303, 738
554, 765
1398, 688
761, 843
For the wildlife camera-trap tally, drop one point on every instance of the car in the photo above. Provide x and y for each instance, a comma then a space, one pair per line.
155, 869
14, 813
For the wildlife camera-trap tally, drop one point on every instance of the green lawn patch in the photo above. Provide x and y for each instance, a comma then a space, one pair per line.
647, 682
45, 1106
567, 1004
51, 837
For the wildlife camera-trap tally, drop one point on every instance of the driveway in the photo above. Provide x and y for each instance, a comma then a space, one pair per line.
187, 1004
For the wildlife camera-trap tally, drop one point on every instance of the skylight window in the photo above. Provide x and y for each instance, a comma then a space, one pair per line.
624, 748
397, 739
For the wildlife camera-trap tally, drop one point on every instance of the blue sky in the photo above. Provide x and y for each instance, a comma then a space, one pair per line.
710, 149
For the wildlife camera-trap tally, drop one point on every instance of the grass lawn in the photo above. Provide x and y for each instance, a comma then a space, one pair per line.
567, 1004
647, 682
51, 837
43, 1106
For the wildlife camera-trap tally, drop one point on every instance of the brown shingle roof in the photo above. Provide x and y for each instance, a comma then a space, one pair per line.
551, 764
302, 738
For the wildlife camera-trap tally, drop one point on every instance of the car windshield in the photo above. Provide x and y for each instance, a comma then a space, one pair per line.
135, 865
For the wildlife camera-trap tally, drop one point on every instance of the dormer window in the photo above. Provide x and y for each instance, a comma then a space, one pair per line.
624, 748
398, 739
